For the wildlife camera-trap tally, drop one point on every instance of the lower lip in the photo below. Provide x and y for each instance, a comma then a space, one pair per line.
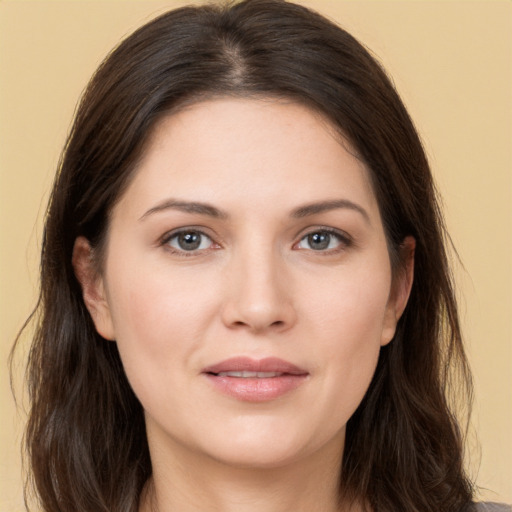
256, 390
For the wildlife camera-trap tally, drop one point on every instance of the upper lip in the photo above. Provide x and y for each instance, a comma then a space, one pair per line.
268, 364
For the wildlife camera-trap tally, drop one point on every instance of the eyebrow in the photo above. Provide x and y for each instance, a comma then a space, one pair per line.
325, 206
187, 207
299, 213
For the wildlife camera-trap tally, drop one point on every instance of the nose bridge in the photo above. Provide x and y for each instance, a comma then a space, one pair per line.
258, 297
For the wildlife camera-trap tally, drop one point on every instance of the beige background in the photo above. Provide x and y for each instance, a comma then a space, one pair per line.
450, 60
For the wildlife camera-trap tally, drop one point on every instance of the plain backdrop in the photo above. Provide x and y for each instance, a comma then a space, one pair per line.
451, 62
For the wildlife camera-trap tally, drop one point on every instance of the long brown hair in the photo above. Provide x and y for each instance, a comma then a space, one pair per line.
86, 437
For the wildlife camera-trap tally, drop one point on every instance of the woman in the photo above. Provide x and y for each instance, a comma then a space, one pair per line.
244, 284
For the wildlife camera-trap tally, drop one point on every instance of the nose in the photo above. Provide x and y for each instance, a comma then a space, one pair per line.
259, 295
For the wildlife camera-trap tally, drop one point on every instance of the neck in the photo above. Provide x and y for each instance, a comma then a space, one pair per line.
193, 483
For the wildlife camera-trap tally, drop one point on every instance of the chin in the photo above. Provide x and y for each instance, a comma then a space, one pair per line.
258, 457
273, 447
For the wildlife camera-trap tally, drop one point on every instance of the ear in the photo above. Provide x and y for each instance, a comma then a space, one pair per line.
93, 288
400, 289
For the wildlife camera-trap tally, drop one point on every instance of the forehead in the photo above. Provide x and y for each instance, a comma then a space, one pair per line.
249, 150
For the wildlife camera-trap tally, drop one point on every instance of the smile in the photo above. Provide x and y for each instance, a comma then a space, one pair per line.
252, 380
250, 375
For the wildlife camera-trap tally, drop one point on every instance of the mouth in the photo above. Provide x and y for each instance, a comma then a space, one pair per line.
251, 380
250, 375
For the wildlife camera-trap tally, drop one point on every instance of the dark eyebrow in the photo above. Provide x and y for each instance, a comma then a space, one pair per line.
187, 207
324, 206
212, 211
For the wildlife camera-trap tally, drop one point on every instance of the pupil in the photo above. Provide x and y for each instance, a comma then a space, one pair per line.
319, 241
189, 241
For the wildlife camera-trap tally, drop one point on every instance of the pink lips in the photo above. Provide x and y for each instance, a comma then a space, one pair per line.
253, 380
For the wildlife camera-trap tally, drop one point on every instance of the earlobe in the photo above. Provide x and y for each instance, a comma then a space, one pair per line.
93, 288
401, 289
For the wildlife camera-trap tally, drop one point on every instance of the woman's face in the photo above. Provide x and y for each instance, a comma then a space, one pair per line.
247, 283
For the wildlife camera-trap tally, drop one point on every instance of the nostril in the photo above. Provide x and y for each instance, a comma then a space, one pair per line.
258, 316
276, 325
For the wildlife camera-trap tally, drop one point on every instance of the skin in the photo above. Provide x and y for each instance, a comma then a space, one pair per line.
257, 286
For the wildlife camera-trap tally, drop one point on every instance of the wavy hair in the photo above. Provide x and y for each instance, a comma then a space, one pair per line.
86, 438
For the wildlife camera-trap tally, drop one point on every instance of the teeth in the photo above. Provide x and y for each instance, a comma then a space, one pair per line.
250, 375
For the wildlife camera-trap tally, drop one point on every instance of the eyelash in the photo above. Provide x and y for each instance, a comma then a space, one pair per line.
343, 239
167, 238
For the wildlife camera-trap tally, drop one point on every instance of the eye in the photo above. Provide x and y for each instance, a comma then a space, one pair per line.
323, 240
188, 241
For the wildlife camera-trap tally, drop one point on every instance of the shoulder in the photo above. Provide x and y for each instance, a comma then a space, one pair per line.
490, 507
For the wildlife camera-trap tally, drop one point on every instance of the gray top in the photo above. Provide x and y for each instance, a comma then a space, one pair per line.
491, 507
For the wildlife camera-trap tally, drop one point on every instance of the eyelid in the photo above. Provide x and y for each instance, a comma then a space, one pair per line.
169, 235
345, 239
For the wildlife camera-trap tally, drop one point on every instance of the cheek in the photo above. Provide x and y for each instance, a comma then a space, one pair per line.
350, 307
348, 321
158, 322
151, 299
